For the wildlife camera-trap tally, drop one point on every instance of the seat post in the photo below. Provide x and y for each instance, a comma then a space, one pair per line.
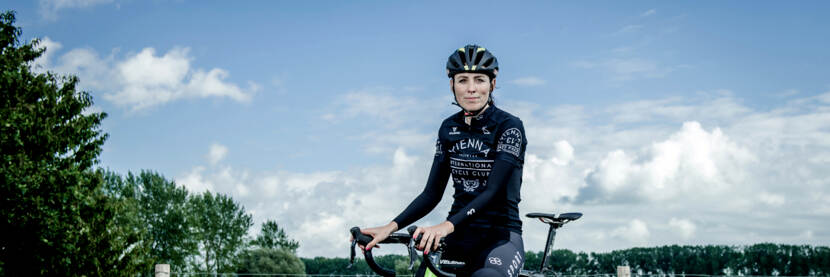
548, 248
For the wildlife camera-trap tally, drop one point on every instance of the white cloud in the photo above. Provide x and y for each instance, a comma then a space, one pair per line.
378, 105
710, 171
684, 227
649, 12
217, 153
530, 81
390, 119
723, 108
318, 208
41, 64
194, 181
633, 68
744, 167
49, 8
549, 178
144, 79
690, 160
635, 232
148, 80
772, 199
626, 68
564, 153
629, 29
788, 93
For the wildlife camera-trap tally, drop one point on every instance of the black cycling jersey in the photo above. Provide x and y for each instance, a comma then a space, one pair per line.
485, 159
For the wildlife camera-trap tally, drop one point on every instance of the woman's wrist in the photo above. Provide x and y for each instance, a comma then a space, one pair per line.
449, 225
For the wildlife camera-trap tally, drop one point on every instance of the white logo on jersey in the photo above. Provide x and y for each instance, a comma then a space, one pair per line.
471, 212
470, 143
470, 185
510, 142
484, 130
495, 260
455, 131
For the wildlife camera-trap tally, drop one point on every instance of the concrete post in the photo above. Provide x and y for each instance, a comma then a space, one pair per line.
623, 271
162, 270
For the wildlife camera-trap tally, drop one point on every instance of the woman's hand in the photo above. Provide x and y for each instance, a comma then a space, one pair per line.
432, 235
379, 234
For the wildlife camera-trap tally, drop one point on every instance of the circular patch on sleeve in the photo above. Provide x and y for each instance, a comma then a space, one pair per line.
510, 142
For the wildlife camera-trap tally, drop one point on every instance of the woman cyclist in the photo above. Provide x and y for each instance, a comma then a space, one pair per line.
482, 147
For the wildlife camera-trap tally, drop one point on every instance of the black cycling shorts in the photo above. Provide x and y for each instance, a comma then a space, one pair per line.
483, 254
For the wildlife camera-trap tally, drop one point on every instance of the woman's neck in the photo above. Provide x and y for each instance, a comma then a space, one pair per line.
469, 118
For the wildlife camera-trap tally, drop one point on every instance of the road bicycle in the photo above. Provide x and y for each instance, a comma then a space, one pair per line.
448, 268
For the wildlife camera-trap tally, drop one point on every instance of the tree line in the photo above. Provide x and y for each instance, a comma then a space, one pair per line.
63, 216
757, 259
765, 259
201, 232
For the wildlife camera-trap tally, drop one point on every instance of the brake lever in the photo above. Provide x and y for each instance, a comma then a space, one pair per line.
358, 237
411, 247
351, 260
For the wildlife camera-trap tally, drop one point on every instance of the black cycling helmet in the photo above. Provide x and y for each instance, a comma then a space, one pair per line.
474, 59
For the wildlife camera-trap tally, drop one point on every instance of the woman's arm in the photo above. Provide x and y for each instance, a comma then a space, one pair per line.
430, 197
422, 205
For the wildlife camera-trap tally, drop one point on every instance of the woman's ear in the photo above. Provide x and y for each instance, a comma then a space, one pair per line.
452, 85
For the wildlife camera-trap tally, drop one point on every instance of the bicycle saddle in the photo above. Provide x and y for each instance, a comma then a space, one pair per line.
551, 218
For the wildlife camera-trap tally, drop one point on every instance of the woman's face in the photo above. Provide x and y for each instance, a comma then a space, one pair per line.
472, 90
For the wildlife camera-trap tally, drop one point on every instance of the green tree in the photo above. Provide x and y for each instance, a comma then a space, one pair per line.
129, 217
562, 260
270, 260
273, 237
335, 266
220, 226
164, 210
158, 209
762, 259
819, 260
533, 260
56, 217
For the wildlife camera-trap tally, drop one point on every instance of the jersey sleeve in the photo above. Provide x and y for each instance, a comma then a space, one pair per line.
511, 142
433, 191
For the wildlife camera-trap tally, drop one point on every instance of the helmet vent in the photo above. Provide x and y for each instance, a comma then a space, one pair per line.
487, 63
461, 57
478, 58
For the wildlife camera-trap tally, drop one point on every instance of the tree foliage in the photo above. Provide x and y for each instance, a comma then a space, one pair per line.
270, 260
760, 259
158, 208
220, 226
195, 232
164, 210
272, 236
61, 216
56, 217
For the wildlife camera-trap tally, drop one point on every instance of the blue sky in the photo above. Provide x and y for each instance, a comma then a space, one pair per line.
665, 122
